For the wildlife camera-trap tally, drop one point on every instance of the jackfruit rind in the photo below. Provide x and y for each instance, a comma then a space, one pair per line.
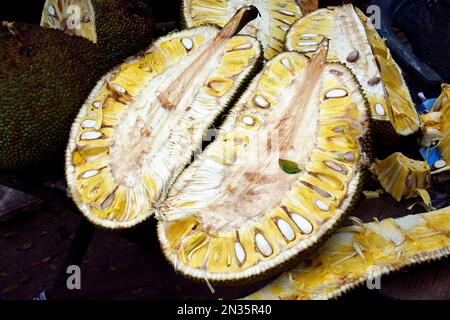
128, 144
45, 77
74, 17
121, 28
355, 42
363, 252
401, 176
234, 215
442, 105
276, 16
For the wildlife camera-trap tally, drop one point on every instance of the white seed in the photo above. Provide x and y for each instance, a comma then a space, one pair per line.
240, 252
302, 223
91, 135
286, 230
322, 205
108, 201
90, 173
88, 123
306, 50
284, 28
261, 102
248, 121
244, 46
51, 10
263, 245
96, 104
334, 166
286, 13
50, 20
307, 43
336, 93
187, 43
439, 164
116, 88
308, 35
349, 156
380, 110
285, 62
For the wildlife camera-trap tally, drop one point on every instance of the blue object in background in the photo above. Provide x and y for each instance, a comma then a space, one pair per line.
425, 106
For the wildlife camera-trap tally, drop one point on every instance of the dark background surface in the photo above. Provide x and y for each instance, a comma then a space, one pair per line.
39, 226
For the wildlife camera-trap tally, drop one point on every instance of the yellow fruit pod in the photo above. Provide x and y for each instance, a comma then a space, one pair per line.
401, 176
355, 42
442, 106
363, 253
293, 156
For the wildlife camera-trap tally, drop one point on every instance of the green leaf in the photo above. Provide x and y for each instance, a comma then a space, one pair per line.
290, 167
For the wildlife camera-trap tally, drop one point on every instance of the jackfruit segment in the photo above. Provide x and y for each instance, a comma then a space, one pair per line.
361, 253
442, 106
75, 17
276, 16
234, 213
355, 42
127, 145
401, 176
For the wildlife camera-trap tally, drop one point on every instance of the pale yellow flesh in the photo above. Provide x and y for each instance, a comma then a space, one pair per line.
401, 176
276, 16
127, 146
349, 30
362, 252
75, 17
234, 213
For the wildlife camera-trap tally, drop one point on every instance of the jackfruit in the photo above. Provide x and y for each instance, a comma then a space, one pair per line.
363, 252
142, 122
46, 75
355, 42
442, 107
285, 167
120, 27
276, 18
401, 176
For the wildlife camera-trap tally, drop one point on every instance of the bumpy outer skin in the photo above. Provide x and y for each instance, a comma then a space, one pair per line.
46, 75
361, 253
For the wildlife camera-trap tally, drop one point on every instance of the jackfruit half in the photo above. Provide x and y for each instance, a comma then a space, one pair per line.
142, 122
355, 42
276, 18
363, 252
402, 177
283, 170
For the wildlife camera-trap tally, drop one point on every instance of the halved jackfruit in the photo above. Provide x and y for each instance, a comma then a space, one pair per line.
355, 42
442, 106
362, 253
276, 18
284, 168
75, 17
401, 176
142, 122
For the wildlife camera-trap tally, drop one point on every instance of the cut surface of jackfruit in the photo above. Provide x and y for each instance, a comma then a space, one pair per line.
401, 176
442, 106
283, 170
142, 122
276, 18
75, 17
363, 252
355, 42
